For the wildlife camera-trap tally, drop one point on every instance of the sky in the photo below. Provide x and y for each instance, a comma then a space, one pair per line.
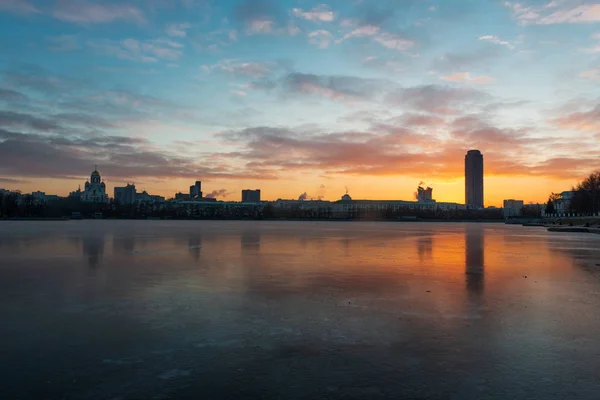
300, 96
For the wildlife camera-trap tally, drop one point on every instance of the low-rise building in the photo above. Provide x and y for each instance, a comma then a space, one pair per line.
251, 196
512, 208
563, 203
125, 195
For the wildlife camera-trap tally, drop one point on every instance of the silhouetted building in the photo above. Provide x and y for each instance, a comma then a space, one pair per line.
424, 195
474, 179
94, 190
563, 203
251, 196
146, 198
196, 190
512, 208
125, 194
182, 196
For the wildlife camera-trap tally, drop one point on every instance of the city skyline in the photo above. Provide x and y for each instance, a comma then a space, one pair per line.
297, 97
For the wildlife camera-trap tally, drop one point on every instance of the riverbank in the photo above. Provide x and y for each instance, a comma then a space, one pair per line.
575, 225
575, 229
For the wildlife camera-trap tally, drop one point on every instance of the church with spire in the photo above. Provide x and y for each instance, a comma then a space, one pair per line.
94, 190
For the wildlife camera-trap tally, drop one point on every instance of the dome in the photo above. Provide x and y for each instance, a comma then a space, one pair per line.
346, 197
95, 173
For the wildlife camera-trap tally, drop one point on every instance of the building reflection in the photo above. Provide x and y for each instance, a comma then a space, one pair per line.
124, 244
474, 258
425, 248
93, 249
250, 240
195, 245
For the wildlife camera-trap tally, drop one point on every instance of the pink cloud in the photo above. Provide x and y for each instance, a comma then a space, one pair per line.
321, 38
318, 13
497, 40
555, 12
583, 121
466, 77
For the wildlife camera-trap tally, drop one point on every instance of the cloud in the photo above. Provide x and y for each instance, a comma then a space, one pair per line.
497, 40
32, 155
556, 12
9, 95
362, 31
319, 13
178, 29
392, 41
148, 51
19, 120
583, 121
39, 80
450, 62
466, 77
591, 74
334, 87
12, 181
437, 99
320, 38
92, 12
596, 48
384, 64
263, 17
241, 68
395, 150
22, 7
63, 43
423, 120
389, 40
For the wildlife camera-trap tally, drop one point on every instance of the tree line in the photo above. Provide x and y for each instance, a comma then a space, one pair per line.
586, 197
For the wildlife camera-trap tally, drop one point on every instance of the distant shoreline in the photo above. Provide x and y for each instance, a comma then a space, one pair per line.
253, 220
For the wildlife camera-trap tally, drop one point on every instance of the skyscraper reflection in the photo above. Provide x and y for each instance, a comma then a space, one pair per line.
474, 258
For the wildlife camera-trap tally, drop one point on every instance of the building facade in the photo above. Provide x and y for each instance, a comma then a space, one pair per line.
251, 196
474, 179
94, 190
196, 190
512, 208
424, 195
563, 203
125, 195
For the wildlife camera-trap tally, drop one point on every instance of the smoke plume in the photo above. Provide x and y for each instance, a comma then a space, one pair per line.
218, 193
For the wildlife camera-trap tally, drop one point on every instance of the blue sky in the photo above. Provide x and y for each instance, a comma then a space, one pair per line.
300, 96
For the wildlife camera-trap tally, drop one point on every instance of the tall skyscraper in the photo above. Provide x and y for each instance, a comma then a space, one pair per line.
474, 179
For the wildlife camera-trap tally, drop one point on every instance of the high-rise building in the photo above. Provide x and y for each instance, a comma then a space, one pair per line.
196, 190
126, 194
251, 196
474, 179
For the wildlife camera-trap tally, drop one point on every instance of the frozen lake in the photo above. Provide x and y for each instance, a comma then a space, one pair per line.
297, 310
